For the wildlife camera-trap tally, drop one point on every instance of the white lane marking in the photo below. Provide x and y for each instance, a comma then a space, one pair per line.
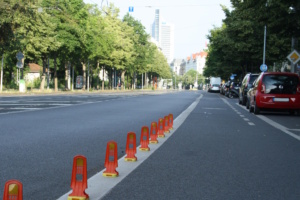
293, 129
239, 113
99, 186
25, 108
214, 108
278, 126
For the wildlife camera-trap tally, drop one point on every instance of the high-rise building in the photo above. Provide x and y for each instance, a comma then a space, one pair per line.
163, 33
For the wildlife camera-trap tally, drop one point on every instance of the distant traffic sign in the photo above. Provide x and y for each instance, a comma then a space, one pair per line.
294, 57
263, 67
131, 9
20, 64
231, 77
20, 55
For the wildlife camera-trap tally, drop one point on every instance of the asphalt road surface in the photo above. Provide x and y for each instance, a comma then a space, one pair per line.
221, 151
40, 135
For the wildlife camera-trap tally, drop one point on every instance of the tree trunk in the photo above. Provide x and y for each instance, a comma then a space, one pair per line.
98, 73
66, 76
146, 79
55, 75
43, 76
103, 78
84, 75
123, 80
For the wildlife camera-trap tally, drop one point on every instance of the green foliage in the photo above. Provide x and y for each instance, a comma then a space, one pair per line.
237, 46
75, 32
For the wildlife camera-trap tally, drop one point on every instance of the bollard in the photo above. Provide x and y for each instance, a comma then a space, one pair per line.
153, 133
161, 124
144, 139
111, 160
13, 190
131, 147
166, 122
171, 121
79, 179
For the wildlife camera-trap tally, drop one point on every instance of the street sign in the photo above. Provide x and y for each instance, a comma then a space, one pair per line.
130, 9
294, 57
20, 64
231, 77
263, 67
20, 55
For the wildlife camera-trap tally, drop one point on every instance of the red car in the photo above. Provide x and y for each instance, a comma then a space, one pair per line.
275, 90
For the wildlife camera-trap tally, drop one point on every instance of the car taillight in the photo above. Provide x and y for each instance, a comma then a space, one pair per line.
263, 88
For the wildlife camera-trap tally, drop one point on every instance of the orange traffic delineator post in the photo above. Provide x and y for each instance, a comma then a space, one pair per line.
13, 190
166, 122
79, 179
131, 147
153, 133
161, 127
171, 121
144, 139
111, 160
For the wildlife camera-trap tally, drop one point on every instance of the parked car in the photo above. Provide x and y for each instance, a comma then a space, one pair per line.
245, 86
223, 88
233, 91
275, 90
214, 88
214, 85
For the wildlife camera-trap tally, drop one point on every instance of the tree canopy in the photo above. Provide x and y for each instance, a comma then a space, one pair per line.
237, 46
76, 33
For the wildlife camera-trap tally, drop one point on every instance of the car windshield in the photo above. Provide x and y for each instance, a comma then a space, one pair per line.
252, 79
280, 84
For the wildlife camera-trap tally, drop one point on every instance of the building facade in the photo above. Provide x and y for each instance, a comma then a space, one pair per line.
196, 62
163, 33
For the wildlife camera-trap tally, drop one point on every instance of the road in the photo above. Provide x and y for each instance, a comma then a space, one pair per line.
221, 151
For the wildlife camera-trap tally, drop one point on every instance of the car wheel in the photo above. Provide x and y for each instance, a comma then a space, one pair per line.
244, 101
256, 109
247, 104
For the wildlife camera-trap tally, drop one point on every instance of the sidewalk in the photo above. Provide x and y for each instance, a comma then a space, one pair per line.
93, 92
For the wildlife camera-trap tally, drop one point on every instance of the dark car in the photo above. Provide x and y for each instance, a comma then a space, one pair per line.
245, 86
275, 90
233, 90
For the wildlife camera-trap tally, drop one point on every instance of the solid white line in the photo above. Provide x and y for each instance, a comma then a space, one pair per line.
278, 126
99, 186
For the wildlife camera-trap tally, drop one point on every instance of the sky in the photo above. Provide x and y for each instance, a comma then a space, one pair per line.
192, 19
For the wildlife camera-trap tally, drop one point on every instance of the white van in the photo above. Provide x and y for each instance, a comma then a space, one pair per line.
214, 84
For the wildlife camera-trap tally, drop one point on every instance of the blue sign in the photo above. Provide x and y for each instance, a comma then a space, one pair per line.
131, 9
231, 77
263, 67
